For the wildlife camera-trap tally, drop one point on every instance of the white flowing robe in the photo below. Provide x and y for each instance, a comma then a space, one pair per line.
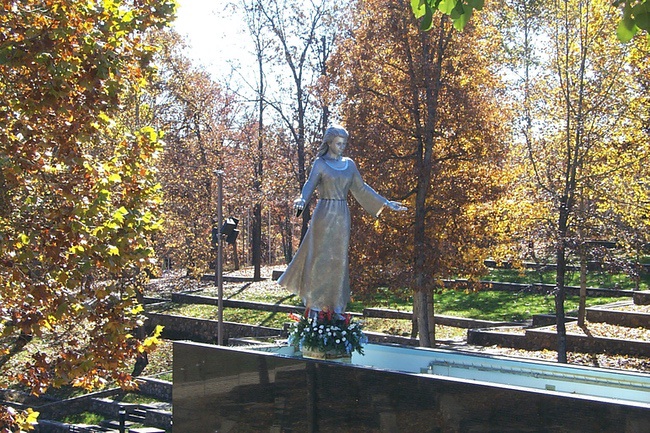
319, 271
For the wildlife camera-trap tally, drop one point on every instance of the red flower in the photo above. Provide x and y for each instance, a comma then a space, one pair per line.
294, 317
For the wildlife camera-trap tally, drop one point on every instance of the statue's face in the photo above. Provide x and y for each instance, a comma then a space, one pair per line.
337, 146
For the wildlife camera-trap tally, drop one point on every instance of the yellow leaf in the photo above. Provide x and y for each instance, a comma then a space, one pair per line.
119, 214
76, 249
32, 415
137, 309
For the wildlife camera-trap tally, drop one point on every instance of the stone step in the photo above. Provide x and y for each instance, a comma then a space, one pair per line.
137, 415
616, 314
86, 428
641, 297
137, 419
146, 430
115, 424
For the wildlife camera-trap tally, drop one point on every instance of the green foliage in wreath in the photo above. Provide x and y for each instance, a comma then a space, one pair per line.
327, 332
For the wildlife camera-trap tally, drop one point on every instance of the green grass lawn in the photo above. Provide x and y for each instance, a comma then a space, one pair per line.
484, 305
89, 418
602, 279
239, 315
504, 306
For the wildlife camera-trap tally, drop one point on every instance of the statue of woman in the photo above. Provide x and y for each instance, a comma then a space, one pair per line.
319, 272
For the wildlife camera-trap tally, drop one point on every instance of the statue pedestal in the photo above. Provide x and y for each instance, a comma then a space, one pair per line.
395, 388
330, 355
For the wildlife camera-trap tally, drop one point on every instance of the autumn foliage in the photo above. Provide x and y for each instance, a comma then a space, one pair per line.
86, 183
196, 114
78, 191
424, 115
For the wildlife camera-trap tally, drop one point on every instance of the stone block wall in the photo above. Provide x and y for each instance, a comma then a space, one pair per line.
202, 330
156, 388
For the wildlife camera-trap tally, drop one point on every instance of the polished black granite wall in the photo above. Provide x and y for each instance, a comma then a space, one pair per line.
220, 389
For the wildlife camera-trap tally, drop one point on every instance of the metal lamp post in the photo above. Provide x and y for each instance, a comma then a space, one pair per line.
224, 231
219, 267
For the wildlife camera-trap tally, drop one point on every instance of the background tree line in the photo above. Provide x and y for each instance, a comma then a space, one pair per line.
523, 137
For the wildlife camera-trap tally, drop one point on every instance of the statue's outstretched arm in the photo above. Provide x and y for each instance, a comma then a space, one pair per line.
369, 199
395, 205
309, 187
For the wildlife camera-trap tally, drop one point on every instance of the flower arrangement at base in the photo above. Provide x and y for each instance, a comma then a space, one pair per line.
331, 335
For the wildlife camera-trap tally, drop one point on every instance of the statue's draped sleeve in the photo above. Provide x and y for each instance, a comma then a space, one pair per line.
312, 181
368, 198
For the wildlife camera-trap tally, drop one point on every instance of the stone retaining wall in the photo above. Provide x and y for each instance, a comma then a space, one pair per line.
159, 418
641, 297
540, 320
73, 405
631, 319
456, 322
541, 339
203, 330
154, 417
495, 337
377, 337
535, 288
547, 339
156, 388
49, 426
187, 298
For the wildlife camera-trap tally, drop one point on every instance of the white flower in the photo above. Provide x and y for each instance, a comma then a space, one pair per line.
338, 341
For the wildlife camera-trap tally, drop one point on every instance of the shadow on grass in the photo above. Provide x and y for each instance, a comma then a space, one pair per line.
240, 291
492, 305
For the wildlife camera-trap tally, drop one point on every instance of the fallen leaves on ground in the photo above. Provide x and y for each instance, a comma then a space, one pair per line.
175, 282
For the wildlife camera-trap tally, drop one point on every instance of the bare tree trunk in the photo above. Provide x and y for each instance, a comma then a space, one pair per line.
297, 60
257, 241
302, 172
416, 314
235, 255
420, 308
431, 317
560, 288
433, 55
324, 50
286, 233
582, 305
256, 232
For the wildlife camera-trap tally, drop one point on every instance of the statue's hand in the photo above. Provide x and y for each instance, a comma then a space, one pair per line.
396, 206
299, 204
